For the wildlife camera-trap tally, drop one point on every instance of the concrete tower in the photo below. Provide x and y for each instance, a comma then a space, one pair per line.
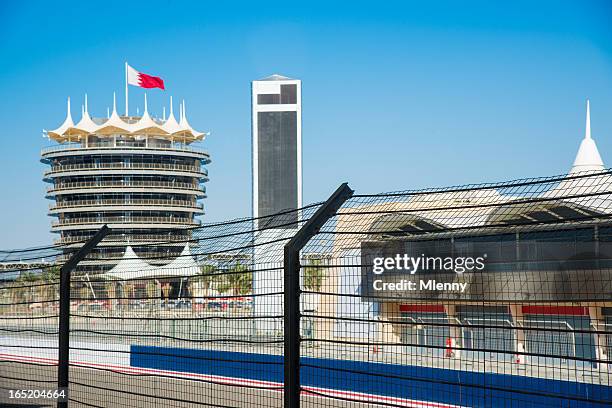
277, 185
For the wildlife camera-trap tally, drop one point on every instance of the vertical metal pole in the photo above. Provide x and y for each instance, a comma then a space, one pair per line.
292, 327
126, 90
292, 291
64, 311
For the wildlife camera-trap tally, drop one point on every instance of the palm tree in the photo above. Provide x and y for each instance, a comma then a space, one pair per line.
151, 289
26, 279
166, 291
50, 276
23, 291
314, 273
239, 282
111, 293
208, 275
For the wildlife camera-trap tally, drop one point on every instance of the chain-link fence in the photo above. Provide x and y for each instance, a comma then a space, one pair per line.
29, 312
484, 295
493, 295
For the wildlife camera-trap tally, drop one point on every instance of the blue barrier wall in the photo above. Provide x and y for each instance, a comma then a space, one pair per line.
455, 387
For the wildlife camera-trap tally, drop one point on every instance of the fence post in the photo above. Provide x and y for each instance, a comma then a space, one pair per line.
292, 291
64, 311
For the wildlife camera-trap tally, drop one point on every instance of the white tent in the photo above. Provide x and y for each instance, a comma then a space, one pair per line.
182, 266
133, 267
129, 267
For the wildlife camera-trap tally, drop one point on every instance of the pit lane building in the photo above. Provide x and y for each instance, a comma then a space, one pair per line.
539, 275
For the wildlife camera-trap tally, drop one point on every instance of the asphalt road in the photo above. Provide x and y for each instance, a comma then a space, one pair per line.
107, 389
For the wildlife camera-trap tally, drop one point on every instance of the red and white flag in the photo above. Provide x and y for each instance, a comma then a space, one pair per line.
142, 80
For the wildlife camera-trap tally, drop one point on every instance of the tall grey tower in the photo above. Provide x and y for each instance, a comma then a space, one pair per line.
277, 145
277, 185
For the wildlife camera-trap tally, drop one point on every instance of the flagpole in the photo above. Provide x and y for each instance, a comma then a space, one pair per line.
126, 89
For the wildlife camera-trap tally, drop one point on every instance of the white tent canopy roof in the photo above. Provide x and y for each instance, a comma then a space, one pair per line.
171, 126
65, 127
183, 265
86, 125
116, 124
131, 266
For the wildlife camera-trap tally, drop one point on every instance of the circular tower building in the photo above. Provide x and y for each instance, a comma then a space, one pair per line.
141, 176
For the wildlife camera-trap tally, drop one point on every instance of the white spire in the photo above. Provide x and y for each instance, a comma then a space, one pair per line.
182, 114
85, 125
114, 124
588, 158
66, 126
171, 125
184, 123
587, 131
164, 113
146, 124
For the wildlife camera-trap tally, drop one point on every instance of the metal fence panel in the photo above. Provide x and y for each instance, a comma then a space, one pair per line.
210, 327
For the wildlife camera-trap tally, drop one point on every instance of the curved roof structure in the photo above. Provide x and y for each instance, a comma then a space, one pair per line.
182, 265
116, 124
545, 212
86, 124
66, 127
171, 126
131, 267
585, 188
186, 128
584, 193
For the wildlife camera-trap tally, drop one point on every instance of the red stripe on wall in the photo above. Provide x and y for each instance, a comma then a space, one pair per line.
556, 310
422, 308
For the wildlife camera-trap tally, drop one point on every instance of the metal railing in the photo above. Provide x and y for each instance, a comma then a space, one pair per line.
213, 336
77, 146
135, 166
125, 220
118, 255
128, 239
122, 183
123, 202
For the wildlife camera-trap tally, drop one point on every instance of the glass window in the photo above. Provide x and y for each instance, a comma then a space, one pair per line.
268, 99
289, 93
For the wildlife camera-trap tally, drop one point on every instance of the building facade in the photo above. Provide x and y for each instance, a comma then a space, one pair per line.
142, 176
547, 274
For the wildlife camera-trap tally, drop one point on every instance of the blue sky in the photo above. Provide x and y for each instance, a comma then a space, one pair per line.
396, 95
